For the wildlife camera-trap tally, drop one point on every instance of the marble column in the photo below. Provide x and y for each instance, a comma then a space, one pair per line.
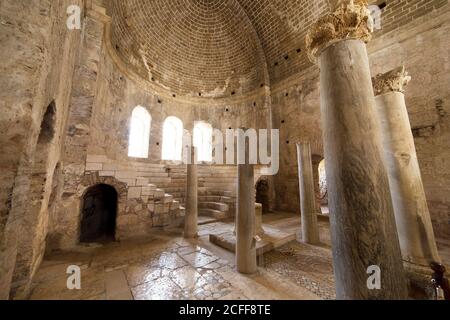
191, 217
245, 220
414, 226
363, 230
310, 230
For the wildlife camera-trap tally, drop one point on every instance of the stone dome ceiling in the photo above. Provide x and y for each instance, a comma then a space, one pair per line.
212, 48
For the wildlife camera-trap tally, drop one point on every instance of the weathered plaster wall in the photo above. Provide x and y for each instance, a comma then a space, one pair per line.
38, 54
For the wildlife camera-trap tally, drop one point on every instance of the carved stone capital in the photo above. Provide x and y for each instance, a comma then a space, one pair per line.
393, 81
350, 19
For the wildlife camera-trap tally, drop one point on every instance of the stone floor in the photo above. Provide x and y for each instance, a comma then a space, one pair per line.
166, 267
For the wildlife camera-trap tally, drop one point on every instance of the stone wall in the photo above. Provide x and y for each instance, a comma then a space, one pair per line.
38, 54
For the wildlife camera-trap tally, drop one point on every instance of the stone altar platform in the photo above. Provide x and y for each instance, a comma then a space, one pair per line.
271, 239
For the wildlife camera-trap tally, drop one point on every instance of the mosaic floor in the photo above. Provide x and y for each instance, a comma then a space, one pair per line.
167, 267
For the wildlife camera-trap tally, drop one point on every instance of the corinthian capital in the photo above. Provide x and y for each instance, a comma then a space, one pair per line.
350, 20
394, 80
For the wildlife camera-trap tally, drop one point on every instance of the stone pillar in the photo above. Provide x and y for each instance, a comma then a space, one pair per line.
310, 230
414, 226
245, 220
362, 219
191, 217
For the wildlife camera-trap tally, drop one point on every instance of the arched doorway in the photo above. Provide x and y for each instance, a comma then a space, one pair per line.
98, 215
323, 188
262, 194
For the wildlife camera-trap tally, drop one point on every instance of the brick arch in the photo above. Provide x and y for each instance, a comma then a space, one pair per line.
91, 179
317, 148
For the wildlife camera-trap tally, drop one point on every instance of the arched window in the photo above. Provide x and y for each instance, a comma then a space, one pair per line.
203, 141
139, 140
172, 139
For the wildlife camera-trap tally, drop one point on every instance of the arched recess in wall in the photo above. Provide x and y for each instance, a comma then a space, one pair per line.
262, 194
172, 149
203, 133
35, 231
139, 138
99, 213
46, 135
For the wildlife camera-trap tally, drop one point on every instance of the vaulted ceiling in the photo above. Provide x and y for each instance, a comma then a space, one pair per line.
213, 48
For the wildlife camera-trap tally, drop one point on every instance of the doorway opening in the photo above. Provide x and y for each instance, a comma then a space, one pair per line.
99, 212
323, 188
262, 194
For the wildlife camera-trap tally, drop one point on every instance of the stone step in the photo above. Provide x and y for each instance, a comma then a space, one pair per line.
153, 174
181, 175
213, 213
212, 192
159, 180
222, 199
159, 194
214, 205
134, 168
206, 220
178, 194
217, 175
223, 185
216, 168
173, 185
175, 205
182, 200
173, 190
167, 198
148, 190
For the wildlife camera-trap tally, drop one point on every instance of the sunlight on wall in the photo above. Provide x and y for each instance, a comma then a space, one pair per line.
203, 141
172, 139
139, 140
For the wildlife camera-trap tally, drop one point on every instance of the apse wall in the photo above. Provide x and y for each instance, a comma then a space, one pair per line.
104, 96
422, 45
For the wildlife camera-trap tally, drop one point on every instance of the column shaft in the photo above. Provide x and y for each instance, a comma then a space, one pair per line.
310, 231
364, 236
245, 220
191, 217
414, 226
362, 218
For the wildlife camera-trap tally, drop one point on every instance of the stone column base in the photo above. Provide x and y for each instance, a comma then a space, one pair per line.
419, 282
